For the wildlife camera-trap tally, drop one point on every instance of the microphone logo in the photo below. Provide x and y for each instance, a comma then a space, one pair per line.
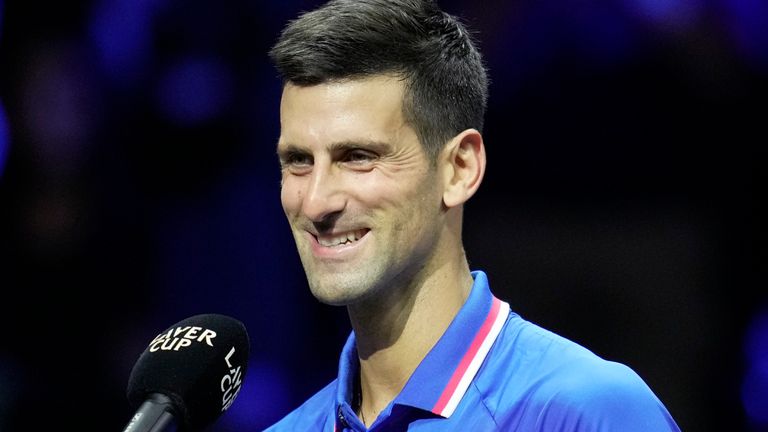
181, 337
231, 383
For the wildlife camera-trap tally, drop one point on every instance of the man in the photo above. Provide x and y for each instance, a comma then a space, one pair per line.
380, 147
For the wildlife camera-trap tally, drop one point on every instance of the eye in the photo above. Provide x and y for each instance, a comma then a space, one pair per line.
298, 159
296, 162
359, 157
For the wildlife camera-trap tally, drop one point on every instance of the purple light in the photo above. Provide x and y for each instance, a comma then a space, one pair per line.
58, 108
754, 389
263, 394
756, 344
668, 13
754, 394
121, 33
747, 22
195, 90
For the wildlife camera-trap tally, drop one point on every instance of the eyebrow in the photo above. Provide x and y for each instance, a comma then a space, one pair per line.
288, 149
377, 146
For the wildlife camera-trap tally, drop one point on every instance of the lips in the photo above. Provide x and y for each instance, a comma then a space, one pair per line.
340, 239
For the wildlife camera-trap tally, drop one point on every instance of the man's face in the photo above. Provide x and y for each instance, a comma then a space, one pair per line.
363, 201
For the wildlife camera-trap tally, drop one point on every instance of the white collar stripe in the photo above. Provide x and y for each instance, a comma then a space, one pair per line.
473, 359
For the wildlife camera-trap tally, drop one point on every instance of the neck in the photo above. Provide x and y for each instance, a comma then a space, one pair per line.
394, 332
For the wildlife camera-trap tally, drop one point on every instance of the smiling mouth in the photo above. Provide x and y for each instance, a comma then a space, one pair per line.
341, 239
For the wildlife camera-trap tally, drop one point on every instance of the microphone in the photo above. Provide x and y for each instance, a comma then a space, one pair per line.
188, 375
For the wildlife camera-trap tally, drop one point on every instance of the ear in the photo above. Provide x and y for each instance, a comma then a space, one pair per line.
463, 160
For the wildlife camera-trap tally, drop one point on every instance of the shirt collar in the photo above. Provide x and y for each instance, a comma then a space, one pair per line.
443, 376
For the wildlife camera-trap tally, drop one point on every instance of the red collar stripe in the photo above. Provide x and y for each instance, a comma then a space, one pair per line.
472, 359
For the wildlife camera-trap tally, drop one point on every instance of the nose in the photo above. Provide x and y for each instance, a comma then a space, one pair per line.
324, 195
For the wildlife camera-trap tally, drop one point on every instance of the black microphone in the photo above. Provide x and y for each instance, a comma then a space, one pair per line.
188, 375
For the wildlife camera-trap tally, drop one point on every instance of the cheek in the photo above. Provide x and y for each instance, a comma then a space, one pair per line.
290, 197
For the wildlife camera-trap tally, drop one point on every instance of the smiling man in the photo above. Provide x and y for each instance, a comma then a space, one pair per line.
380, 147
363, 198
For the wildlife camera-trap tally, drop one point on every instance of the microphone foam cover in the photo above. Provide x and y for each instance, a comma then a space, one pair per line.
199, 363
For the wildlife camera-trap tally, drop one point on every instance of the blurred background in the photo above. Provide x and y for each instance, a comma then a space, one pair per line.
139, 186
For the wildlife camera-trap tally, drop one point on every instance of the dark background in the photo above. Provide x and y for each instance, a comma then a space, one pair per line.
622, 207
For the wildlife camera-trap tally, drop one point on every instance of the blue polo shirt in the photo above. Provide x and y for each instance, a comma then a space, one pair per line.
494, 371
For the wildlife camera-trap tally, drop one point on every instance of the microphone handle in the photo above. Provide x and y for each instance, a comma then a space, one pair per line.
154, 415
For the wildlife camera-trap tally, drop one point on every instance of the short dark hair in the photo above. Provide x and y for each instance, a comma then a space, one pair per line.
446, 84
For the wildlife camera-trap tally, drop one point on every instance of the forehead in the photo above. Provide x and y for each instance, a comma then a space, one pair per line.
363, 109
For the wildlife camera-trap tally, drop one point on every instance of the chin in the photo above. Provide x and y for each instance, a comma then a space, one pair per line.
338, 292
333, 299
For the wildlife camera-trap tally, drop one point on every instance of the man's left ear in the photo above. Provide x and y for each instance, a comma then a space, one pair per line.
463, 160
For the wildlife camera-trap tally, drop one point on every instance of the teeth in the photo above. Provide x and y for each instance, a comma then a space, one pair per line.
341, 239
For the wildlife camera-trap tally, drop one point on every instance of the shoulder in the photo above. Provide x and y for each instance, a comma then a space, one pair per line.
603, 396
566, 385
526, 350
311, 415
599, 386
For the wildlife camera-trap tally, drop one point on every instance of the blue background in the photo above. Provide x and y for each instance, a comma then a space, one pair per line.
622, 205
